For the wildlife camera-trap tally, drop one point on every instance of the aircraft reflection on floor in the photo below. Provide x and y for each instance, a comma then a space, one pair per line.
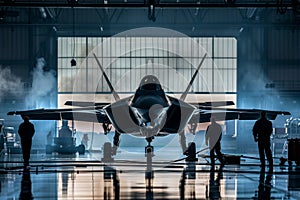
187, 181
149, 173
110, 173
213, 189
81, 177
66, 175
111, 183
113, 190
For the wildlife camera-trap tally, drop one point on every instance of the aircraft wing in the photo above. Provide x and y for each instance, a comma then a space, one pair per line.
213, 104
89, 114
204, 113
85, 104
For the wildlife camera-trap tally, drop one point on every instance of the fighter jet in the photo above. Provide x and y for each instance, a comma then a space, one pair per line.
149, 112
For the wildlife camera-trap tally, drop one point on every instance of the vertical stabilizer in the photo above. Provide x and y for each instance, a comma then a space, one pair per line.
183, 96
115, 94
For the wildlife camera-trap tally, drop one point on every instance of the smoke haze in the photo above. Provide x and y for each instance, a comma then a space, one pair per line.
42, 95
43, 87
9, 83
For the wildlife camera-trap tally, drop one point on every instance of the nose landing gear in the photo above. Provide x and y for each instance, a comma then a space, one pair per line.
149, 149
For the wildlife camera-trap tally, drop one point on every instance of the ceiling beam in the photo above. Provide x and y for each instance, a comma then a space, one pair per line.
145, 5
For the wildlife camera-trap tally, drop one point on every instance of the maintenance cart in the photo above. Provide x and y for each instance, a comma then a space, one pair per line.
65, 143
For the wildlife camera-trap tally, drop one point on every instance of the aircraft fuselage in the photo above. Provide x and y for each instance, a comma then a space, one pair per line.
149, 112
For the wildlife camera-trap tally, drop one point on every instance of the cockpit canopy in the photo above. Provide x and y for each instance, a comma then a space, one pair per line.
149, 93
150, 82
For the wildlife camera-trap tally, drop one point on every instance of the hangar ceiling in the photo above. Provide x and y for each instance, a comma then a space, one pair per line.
120, 13
146, 3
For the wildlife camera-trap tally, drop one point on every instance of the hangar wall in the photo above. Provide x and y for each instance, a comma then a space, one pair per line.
268, 68
21, 46
28, 75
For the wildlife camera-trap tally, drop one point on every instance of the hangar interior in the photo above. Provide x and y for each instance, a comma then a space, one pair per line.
253, 60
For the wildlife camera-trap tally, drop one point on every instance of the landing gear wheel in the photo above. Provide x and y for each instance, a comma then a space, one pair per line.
81, 149
149, 149
149, 140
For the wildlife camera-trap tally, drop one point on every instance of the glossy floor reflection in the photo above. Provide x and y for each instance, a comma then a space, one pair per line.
89, 177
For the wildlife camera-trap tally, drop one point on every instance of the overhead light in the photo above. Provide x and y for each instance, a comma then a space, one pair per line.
43, 12
151, 10
73, 63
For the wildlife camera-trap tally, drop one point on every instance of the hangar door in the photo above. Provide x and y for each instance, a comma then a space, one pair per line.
127, 59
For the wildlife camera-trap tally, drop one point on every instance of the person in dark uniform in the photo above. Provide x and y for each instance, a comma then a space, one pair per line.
26, 132
262, 131
213, 138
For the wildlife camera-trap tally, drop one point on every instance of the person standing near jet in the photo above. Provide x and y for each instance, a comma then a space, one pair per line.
26, 132
262, 131
213, 138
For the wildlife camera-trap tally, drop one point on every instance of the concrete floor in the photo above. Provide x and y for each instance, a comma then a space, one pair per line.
134, 176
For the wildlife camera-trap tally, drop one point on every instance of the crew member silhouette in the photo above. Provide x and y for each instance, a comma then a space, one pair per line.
26, 132
213, 138
262, 131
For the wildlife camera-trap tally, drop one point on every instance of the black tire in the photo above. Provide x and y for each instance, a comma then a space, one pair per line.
81, 149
